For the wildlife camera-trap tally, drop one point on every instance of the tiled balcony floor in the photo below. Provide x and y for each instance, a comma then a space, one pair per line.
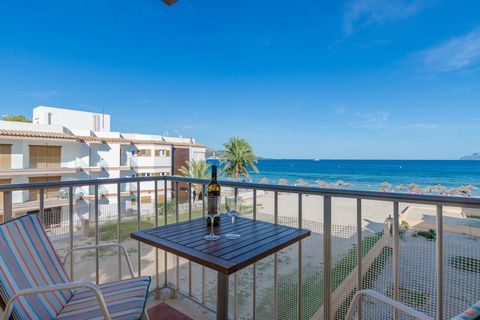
183, 305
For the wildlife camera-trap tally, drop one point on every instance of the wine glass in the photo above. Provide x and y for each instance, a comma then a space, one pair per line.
213, 203
233, 206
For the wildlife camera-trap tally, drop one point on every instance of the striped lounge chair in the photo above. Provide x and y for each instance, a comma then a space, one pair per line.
34, 284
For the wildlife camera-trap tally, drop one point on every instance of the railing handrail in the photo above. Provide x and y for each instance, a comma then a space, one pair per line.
341, 193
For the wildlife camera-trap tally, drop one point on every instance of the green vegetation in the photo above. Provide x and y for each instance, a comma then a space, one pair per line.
472, 215
171, 207
429, 235
465, 263
16, 118
108, 230
343, 267
238, 158
403, 229
368, 279
410, 297
195, 169
313, 282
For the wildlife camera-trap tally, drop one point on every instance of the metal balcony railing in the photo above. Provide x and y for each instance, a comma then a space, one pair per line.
314, 279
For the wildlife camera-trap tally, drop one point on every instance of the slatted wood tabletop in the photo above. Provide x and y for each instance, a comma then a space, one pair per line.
185, 239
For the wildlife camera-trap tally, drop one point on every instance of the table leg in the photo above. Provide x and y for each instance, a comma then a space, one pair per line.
222, 296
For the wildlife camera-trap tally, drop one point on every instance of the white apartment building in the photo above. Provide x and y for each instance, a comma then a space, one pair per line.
63, 144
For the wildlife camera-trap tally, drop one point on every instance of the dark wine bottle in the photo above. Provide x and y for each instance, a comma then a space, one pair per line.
213, 190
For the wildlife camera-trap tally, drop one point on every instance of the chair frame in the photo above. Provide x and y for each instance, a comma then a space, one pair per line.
357, 300
75, 285
59, 287
99, 246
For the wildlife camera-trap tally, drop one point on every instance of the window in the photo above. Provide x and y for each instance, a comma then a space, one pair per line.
5, 156
144, 153
45, 156
143, 174
162, 153
146, 199
157, 174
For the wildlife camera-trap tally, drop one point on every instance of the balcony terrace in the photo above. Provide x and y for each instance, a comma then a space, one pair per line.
420, 250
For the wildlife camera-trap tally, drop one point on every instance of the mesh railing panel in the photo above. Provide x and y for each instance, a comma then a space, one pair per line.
417, 263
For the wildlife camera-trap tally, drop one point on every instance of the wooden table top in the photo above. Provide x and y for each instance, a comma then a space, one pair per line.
185, 239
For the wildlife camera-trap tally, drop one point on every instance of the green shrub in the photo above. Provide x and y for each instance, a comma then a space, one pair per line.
429, 235
465, 263
411, 297
171, 207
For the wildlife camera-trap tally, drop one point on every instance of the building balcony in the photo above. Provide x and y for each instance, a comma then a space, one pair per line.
420, 250
37, 171
41, 166
40, 169
64, 166
91, 165
151, 162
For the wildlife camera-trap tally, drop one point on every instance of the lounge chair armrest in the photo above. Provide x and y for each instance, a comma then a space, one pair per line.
103, 245
59, 287
380, 297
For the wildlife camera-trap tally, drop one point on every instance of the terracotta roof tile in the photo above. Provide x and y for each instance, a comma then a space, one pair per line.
36, 134
66, 136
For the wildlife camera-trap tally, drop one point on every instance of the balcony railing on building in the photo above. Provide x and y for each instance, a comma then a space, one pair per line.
411, 247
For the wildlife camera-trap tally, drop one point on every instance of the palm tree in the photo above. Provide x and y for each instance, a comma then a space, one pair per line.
195, 169
238, 158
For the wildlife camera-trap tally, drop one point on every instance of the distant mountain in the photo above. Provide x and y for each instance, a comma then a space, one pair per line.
475, 156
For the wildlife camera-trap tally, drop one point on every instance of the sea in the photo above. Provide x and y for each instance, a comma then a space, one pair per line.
370, 174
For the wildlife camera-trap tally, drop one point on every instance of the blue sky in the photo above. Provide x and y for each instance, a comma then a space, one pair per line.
361, 79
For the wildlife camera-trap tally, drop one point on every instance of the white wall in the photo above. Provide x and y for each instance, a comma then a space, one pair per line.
197, 153
72, 119
12, 125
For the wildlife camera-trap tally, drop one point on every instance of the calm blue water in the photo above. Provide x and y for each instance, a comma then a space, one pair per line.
370, 174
